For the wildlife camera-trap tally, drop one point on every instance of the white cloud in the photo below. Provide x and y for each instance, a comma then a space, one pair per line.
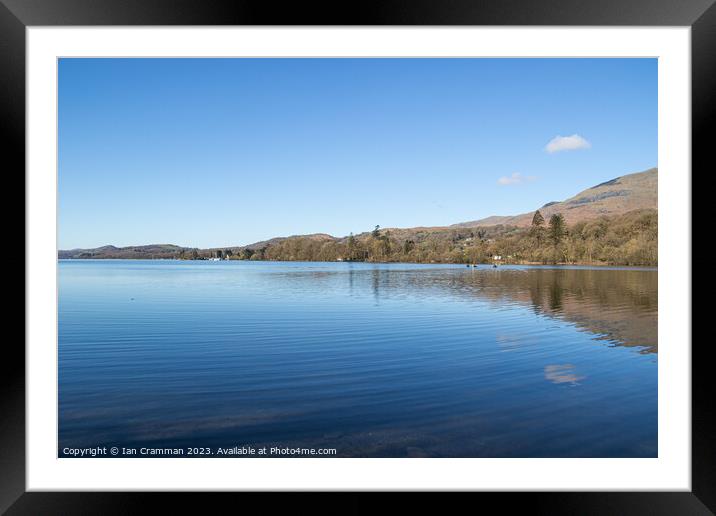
565, 143
515, 179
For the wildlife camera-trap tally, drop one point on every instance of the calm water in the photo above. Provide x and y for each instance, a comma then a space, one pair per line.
372, 360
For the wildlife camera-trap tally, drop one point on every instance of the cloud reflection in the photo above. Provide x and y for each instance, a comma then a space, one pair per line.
562, 373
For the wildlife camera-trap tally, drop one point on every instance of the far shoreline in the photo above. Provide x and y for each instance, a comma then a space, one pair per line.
582, 265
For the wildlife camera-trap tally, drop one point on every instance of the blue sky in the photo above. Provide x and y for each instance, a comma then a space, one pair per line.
219, 152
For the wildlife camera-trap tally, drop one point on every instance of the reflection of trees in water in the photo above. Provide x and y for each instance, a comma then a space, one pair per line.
622, 305
376, 284
555, 295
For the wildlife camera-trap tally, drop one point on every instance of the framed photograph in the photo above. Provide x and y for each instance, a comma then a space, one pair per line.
420, 249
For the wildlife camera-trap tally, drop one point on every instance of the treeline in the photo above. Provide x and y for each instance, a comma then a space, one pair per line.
629, 239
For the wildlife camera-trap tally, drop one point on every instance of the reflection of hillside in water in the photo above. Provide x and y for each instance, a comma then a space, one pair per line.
620, 305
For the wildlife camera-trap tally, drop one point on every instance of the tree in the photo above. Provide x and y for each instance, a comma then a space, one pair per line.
408, 246
557, 228
351, 247
386, 244
537, 230
537, 220
376, 232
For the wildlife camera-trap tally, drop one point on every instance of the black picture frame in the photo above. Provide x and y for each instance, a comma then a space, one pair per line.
16, 15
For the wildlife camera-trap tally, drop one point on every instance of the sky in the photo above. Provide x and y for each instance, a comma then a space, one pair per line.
224, 152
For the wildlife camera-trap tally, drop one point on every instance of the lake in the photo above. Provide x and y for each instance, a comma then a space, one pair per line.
369, 360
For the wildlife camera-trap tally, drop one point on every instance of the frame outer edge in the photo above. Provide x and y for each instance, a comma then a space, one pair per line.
703, 114
12, 142
12, 103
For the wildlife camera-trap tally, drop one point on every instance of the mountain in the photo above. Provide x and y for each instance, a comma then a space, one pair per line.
625, 200
616, 197
319, 237
137, 251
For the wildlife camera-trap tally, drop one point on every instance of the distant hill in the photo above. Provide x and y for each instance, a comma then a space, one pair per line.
625, 200
616, 197
273, 241
136, 252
